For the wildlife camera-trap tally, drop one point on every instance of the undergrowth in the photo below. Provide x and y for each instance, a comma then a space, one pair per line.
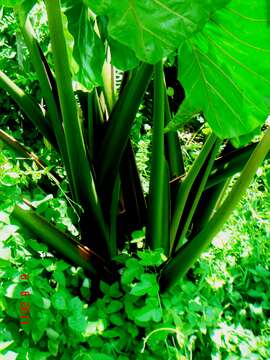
220, 311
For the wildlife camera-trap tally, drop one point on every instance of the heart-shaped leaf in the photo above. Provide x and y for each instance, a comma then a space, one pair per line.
225, 69
153, 29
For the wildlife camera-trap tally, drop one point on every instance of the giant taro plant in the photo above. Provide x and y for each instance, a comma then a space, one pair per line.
221, 49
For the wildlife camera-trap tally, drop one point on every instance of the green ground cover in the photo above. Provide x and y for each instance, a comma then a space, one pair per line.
220, 311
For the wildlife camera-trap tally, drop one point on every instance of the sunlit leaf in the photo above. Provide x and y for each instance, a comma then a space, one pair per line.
88, 50
153, 29
151, 311
147, 285
225, 69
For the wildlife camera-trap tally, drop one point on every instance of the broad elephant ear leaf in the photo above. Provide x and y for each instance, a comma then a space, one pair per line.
242, 140
225, 70
88, 49
153, 29
123, 57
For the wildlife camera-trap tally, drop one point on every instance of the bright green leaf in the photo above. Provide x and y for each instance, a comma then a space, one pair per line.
245, 139
147, 285
88, 50
77, 323
10, 3
59, 301
151, 258
60, 278
37, 246
154, 29
133, 270
225, 69
26, 4
100, 356
151, 311
53, 347
40, 301
52, 334
117, 319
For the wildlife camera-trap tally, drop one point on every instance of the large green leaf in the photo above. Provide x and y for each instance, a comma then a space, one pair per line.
153, 29
225, 69
122, 56
88, 49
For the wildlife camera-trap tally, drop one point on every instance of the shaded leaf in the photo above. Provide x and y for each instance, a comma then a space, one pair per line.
114, 306
122, 56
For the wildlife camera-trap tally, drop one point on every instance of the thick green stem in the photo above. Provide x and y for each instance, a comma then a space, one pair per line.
207, 206
46, 88
186, 186
43, 78
190, 252
197, 193
113, 217
173, 147
90, 122
132, 192
21, 150
120, 122
55, 238
157, 233
230, 164
83, 181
